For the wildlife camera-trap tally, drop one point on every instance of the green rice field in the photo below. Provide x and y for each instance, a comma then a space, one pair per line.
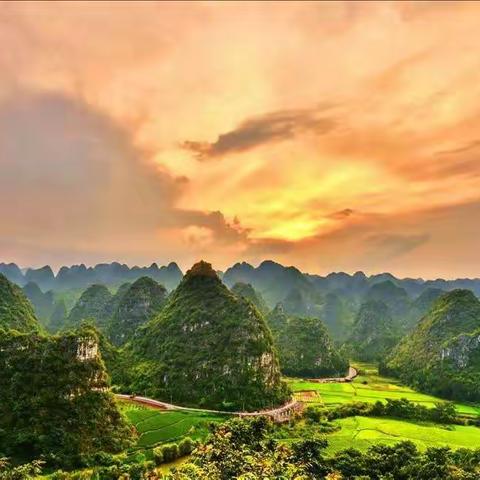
368, 387
363, 432
162, 426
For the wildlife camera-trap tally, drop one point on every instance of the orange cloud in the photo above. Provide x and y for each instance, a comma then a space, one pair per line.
340, 128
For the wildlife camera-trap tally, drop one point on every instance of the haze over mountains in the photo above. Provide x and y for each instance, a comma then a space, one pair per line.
336, 298
81, 276
269, 277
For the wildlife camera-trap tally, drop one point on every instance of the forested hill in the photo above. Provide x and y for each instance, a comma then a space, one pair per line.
16, 312
208, 347
55, 401
442, 354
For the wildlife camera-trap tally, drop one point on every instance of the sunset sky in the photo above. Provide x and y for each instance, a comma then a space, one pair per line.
330, 136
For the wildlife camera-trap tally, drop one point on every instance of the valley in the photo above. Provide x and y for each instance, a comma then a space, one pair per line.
368, 387
164, 375
158, 427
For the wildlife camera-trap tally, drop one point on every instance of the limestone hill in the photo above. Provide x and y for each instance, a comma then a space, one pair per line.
208, 347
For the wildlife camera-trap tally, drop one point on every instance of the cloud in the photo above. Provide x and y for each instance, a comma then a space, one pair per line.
385, 246
342, 214
94, 163
72, 179
463, 160
223, 232
263, 129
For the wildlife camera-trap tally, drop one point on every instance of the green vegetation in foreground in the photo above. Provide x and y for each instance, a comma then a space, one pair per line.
364, 432
368, 387
55, 404
155, 426
244, 449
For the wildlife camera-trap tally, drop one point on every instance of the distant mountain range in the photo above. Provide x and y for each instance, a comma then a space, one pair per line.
81, 276
336, 298
271, 279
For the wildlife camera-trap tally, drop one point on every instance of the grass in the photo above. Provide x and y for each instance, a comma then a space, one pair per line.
368, 387
162, 426
363, 432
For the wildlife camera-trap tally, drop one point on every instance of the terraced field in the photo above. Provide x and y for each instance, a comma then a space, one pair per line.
363, 432
161, 426
368, 387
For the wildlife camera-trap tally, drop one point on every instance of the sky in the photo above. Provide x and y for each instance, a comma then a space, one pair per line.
330, 136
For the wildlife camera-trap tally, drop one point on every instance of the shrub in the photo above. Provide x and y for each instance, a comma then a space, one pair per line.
158, 455
186, 446
313, 414
170, 452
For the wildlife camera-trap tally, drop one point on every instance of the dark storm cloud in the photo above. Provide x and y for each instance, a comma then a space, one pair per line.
263, 129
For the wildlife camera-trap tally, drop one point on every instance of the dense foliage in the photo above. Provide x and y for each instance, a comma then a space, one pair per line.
304, 346
55, 401
58, 317
171, 451
94, 304
246, 450
247, 291
208, 347
136, 305
16, 312
442, 355
373, 332
442, 412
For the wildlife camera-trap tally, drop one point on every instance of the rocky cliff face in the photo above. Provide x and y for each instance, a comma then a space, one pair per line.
461, 350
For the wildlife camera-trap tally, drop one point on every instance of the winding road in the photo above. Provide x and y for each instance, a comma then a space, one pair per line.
274, 412
278, 414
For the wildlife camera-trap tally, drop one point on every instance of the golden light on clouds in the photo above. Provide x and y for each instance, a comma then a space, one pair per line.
326, 135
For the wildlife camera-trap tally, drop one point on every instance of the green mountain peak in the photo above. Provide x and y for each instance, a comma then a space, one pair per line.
208, 347
16, 312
